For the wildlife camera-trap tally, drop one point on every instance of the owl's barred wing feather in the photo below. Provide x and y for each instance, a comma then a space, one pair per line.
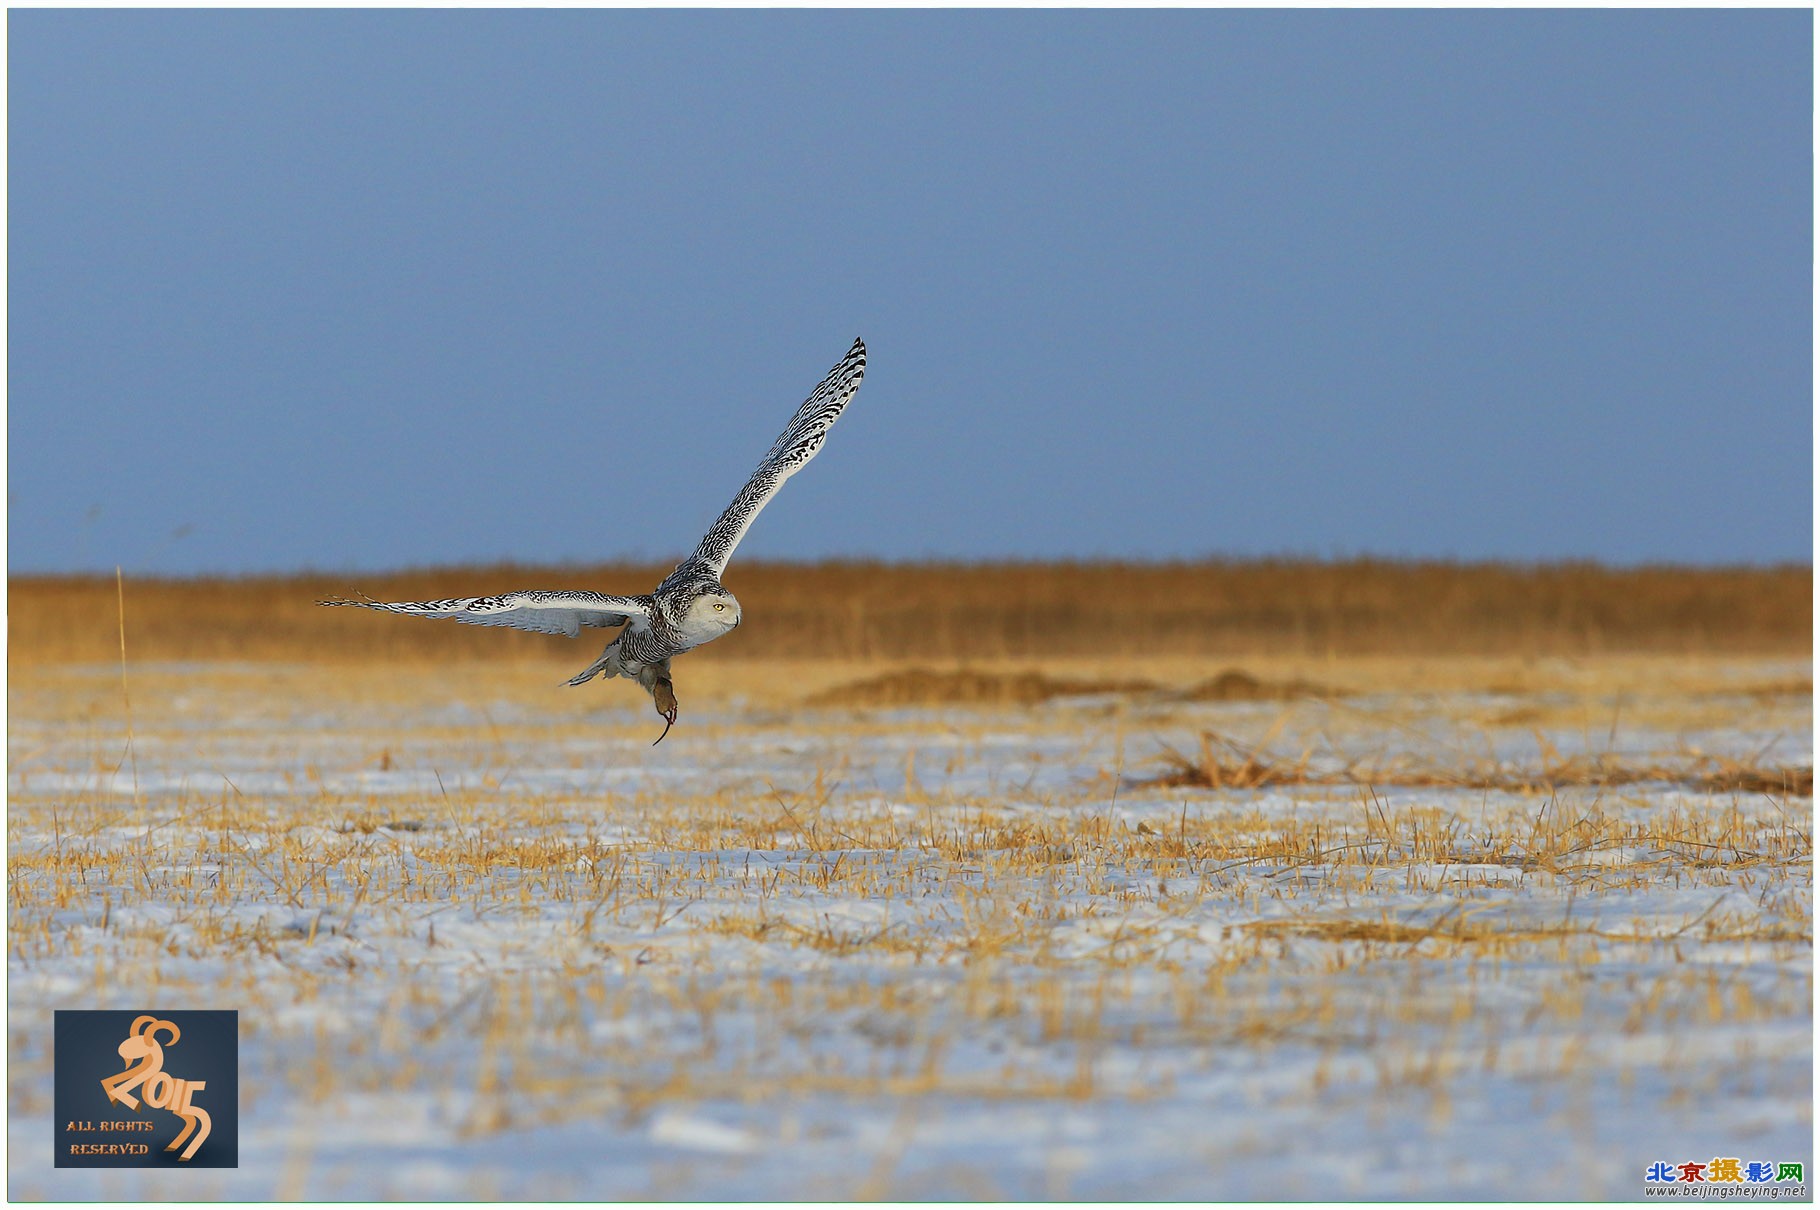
543, 612
797, 444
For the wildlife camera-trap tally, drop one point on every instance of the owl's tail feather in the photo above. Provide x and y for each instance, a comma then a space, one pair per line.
602, 665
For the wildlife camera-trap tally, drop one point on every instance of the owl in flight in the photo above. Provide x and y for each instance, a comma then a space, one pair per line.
690, 607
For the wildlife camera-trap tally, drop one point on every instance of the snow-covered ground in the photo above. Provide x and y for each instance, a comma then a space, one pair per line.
486, 942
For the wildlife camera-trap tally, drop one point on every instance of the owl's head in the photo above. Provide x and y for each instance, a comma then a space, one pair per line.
711, 614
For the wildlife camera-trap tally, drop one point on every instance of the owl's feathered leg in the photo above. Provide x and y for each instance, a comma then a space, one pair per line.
656, 678
653, 678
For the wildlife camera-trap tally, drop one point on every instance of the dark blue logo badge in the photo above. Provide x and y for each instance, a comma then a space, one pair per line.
147, 1089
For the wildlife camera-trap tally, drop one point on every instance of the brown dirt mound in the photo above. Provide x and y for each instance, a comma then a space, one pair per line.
924, 686
1796, 782
1237, 685
1222, 764
1768, 689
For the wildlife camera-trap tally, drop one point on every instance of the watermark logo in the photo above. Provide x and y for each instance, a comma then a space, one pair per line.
147, 1089
1726, 1176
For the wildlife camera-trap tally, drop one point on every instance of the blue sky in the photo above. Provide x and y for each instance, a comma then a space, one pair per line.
354, 290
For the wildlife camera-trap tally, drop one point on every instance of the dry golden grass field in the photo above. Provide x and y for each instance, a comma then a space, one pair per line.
945, 613
1236, 881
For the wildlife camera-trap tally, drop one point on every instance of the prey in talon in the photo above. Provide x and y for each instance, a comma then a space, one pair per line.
691, 606
663, 695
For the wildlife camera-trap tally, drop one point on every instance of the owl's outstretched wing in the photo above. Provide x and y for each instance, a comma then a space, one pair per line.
543, 612
798, 443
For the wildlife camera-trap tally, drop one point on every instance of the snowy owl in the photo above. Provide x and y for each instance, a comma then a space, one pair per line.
690, 607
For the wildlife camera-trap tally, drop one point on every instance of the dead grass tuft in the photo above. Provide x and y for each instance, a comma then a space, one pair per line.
1223, 764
